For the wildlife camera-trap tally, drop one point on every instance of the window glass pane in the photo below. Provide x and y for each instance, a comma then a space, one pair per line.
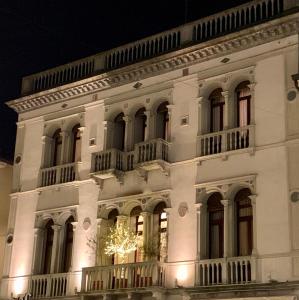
243, 114
243, 239
214, 241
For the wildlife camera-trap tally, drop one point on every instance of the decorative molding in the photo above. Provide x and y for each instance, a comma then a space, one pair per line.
230, 43
225, 186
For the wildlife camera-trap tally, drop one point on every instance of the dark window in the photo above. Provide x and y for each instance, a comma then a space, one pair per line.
68, 245
119, 132
160, 217
57, 138
217, 110
244, 222
243, 104
48, 247
136, 214
162, 122
139, 126
216, 225
76, 139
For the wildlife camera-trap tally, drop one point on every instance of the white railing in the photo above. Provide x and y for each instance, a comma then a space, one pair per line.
151, 150
108, 160
206, 28
233, 270
134, 275
50, 285
58, 174
227, 140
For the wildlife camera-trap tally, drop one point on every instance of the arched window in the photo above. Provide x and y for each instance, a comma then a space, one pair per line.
243, 97
162, 122
139, 126
48, 247
160, 228
216, 110
68, 244
244, 222
112, 221
216, 225
137, 222
119, 132
76, 143
57, 153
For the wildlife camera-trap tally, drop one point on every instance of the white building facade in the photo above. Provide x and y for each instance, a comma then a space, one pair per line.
189, 137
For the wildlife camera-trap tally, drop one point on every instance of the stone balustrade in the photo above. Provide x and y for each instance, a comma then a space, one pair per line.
226, 140
227, 21
59, 174
50, 285
145, 152
233, 270
122, 276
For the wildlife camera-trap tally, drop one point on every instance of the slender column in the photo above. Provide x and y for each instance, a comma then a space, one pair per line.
146, 226
200, 115
55, 248
252, 110
226, 116
108, 135
225, 203
74, 252
47, 149
147, 131
170, 115
128, 135
201, 210
100, 258
37, 250
254, 225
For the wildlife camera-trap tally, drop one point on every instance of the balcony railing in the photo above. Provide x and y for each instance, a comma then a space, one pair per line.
227, 140
233, 270
109, 160
50, 285
59, 174
198, 31
124, 276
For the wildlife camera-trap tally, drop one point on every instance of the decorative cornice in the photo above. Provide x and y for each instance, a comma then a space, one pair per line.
221, 46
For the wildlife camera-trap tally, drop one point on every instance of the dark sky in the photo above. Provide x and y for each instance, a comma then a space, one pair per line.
40, 34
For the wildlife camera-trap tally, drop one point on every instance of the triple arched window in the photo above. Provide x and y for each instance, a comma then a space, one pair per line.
125, 136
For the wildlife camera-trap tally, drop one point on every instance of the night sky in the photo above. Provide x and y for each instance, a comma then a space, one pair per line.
40, 34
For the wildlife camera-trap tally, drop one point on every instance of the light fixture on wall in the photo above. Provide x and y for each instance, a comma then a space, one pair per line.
137, 85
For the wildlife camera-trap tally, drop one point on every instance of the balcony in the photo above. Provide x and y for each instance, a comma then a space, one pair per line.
233, 270
58, 174
50, 285
123, 276
146, 156
226, 141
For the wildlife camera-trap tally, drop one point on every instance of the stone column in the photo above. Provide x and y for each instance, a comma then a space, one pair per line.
201, 211
146, 230
254, 225
108, 135
225, 203
74, 252
47, 151
252, 110
170, 116
128, 135
55, 249
147, 133
226, 115
101, 259
37, 251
